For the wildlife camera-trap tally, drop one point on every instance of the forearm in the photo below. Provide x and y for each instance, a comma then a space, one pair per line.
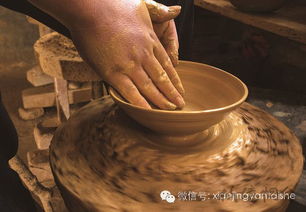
63, 10
82, 13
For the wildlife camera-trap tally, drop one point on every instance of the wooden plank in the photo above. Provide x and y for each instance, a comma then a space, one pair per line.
62, 101
289, 21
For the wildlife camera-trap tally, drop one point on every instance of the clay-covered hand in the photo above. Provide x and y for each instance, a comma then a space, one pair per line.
118, 40
164, 26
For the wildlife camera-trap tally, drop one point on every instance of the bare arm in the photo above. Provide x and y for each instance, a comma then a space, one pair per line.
118, 40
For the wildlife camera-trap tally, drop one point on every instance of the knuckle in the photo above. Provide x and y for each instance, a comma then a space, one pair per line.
116, 68
146, 84
152, 35
147, 53
107, 74
126, 68
130, 88
167, 64
163, 77
125, 88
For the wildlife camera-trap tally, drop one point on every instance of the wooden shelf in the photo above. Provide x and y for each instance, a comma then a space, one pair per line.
289, 21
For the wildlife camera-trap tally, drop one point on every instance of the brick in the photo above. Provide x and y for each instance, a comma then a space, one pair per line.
44, 176
38, 97
37, 78
59, 58
38, 161
50, 122
45, 96
43, 135
30, 114
38, 158
74, 85
57, 201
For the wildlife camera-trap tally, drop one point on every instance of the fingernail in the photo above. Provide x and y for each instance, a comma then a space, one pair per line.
174, 9
180, 102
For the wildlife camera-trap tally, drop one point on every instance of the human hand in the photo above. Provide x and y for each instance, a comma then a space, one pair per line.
164, 27
116, 38
119, 42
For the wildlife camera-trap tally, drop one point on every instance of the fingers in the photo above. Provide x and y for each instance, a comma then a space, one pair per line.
170, 42
161, 13
128, 90
149, 90
162, 81
172, 51
165, 62
166, 32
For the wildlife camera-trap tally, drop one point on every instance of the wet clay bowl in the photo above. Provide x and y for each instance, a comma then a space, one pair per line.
210, 94
258, 5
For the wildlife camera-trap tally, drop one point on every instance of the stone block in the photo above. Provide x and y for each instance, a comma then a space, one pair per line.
57, 201
37, 78
38, 161
45, 96
29, 114
44, 176
43, 135
38, 97
51, 122
59, 58
38, 158
74, 85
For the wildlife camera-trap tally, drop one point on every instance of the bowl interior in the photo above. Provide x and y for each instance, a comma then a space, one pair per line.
206, 89
209, 88
210, 93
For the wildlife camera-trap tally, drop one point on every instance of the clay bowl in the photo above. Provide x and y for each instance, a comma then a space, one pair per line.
258, 5
210, 94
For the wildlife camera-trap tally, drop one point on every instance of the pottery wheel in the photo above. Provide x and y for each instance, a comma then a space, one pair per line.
104, 161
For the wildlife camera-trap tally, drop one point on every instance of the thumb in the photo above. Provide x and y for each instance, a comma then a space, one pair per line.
160, 13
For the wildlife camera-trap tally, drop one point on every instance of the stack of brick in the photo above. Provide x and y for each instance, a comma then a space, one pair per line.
55, 55
60, 79
37, 78
59, 59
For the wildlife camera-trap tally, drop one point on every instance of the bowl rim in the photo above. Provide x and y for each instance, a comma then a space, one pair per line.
112, 93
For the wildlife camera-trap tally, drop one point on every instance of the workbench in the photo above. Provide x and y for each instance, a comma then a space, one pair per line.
288, 22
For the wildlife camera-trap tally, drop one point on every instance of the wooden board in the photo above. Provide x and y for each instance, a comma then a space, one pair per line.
289, 21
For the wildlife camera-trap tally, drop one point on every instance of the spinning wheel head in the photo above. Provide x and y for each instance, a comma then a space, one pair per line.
210, 94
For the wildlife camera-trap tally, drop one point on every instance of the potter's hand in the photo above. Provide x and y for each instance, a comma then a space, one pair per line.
164, 26
117, 39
